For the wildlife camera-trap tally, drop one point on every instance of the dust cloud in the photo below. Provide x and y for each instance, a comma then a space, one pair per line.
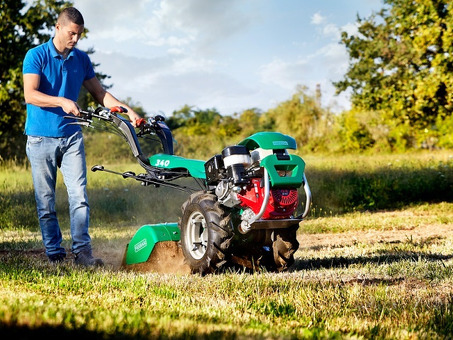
166, 258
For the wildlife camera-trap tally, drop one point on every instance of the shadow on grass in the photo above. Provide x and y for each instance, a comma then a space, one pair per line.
60, 332
12, 331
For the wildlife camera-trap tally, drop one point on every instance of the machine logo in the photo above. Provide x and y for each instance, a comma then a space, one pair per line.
140, 245
162, 162
280, 142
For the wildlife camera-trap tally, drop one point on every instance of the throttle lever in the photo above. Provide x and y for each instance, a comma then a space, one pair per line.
140, 122
84, 119
87, 115
118, 109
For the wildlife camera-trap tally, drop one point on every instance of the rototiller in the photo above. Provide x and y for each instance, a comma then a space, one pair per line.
241, 214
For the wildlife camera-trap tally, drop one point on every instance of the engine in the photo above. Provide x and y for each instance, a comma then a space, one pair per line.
238, 180
282, 202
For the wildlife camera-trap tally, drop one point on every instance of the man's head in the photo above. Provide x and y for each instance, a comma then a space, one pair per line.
69, 28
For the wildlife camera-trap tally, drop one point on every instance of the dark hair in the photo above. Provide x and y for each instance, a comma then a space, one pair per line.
71, 14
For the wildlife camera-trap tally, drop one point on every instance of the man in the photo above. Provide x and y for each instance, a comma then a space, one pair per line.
54, 73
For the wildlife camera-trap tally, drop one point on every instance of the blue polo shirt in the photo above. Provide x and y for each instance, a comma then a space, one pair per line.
59, 77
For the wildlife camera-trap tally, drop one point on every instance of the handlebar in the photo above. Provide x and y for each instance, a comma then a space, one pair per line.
103, 113
154, 125
100, 113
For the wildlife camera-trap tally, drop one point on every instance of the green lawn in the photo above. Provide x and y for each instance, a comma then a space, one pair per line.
363, 273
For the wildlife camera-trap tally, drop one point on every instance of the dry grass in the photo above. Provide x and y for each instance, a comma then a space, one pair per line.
363, 274
398, 286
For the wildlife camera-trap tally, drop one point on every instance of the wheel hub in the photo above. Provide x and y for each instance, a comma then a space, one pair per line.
197, 237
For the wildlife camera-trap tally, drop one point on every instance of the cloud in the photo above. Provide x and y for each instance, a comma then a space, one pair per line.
317, 19
166, 85
285, 74
332, 31
327, 63
196, 25
168, 53
350, 28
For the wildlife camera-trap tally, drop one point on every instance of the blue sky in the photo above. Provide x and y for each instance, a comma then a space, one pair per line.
225, 54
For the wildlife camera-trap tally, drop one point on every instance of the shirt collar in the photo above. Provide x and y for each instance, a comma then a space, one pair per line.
53, 50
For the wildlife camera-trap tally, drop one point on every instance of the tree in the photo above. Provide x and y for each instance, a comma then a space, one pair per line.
355, 135
303, 118
401, 61
21, 29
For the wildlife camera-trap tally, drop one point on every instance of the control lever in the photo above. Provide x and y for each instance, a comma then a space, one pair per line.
126, 174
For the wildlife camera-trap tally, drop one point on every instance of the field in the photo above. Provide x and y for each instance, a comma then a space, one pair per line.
375, 261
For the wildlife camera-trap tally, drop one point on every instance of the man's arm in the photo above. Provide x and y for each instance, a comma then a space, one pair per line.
106, 99
34, 96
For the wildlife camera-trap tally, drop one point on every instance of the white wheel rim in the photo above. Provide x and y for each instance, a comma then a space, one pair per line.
197, 235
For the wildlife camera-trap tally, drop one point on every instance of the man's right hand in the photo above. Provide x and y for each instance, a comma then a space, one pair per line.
70, 106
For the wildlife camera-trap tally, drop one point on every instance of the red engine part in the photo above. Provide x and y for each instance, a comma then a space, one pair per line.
282, 202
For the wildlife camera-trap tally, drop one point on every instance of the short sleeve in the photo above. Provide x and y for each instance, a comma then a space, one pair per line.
89, 71
32, 63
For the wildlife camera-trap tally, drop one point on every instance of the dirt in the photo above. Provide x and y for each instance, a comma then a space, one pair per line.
166, 258
315, 241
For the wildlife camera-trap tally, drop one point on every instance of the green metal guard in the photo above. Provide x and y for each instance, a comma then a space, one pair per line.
294, 164
142, 244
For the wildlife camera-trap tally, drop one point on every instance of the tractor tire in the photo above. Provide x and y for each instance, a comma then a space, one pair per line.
206, 233
284, 246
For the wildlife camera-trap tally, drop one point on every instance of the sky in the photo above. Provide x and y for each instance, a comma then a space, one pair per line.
230, 55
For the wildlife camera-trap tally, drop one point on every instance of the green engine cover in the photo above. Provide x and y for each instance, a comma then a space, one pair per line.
142, 244
269, 141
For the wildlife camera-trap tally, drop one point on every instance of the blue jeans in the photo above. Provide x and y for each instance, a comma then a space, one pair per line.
46, 154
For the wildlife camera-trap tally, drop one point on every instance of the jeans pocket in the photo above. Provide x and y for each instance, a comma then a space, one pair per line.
34, 139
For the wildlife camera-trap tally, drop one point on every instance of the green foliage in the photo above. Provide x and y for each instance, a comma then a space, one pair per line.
355, 134
348, 183
21, 29
24, 25
303, 118
204, 133
201, 134
400, 65
445, 132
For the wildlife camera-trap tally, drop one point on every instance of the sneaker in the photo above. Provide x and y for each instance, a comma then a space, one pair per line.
84, 258
57, 258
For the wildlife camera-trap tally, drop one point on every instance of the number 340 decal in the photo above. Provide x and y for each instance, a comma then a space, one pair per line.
163, 162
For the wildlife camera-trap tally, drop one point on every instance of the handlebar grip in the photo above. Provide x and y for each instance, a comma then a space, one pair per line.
140, 122
118, 109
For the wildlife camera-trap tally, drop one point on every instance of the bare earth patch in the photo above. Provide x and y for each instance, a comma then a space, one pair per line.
314, 241
167, 257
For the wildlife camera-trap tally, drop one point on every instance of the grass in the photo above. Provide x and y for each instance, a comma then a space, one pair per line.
408, 218
359, 273
363, 289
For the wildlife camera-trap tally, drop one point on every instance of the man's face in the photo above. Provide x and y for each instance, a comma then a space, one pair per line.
68, 34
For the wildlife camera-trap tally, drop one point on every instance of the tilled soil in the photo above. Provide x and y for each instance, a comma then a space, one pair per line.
315, 241
167, 257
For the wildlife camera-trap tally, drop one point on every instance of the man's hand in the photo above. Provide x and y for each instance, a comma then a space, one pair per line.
69, 106
133, 117
106, 99
35, 97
